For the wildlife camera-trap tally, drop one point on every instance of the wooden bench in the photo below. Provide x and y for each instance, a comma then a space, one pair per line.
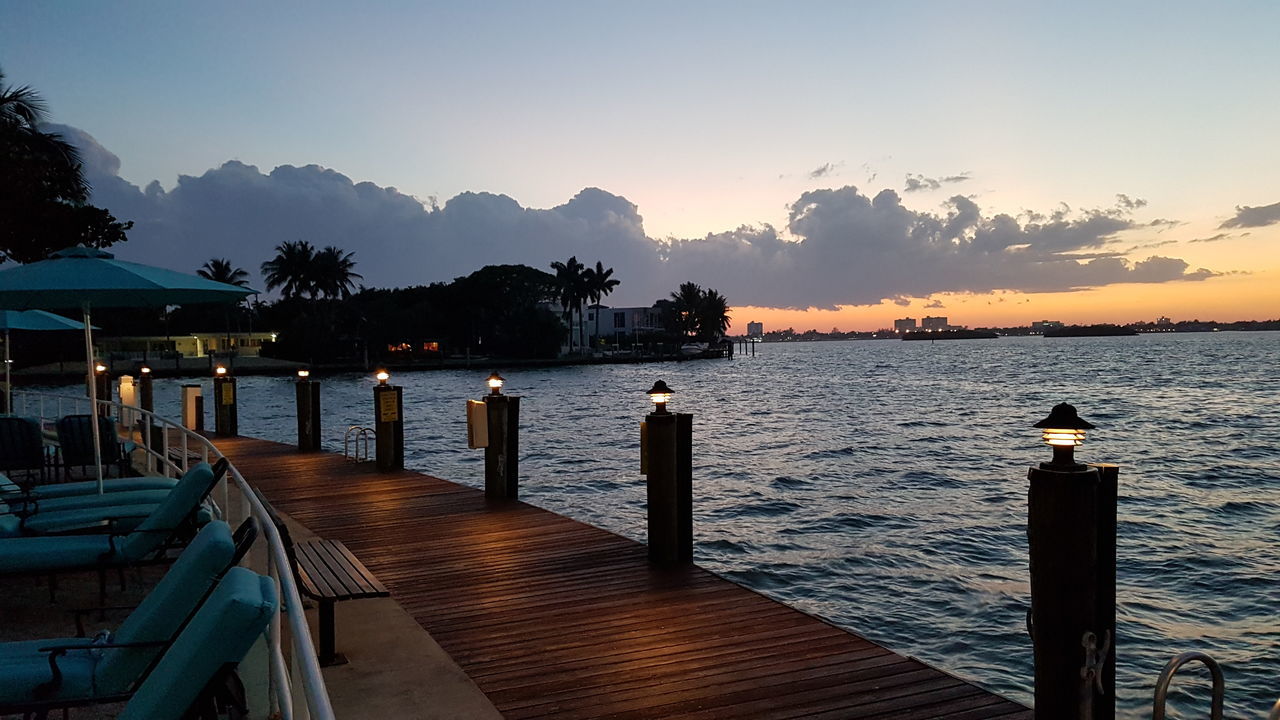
326, 572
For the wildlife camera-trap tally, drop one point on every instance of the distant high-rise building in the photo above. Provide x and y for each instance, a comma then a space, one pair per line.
1163, 321
934, 323
755, 329
904, 325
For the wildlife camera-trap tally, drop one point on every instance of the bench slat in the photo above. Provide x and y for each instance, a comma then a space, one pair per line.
335, 572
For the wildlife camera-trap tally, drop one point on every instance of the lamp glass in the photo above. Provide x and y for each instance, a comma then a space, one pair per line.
1063, 437
144, 370
100, 368
220, 370
304, 374
383, 376
660, 398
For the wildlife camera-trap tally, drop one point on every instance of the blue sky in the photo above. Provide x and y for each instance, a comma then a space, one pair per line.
706, 116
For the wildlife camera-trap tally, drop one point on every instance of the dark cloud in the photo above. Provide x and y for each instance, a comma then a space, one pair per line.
1152, 245
917, 183
1253, 216
1162, 224
821, 171
936, 304
841, 247
1214, 238
1128, 203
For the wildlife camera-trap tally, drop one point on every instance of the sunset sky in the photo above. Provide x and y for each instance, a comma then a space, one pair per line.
997, 163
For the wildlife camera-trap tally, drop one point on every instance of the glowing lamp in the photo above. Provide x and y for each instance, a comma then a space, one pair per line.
1063, 430
495, 383
220, 371
304, 374
383, 376
660, 394
145, 370
99, 368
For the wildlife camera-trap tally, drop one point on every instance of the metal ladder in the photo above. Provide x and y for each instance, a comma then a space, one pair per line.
357, 437
1219, 686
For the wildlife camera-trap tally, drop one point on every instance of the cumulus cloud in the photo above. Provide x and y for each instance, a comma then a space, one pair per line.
1128, 203
935, 304
840, 246
1253, 216
916, 183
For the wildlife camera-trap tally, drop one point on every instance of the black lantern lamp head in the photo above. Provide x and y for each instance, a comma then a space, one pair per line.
660, 394
495, 383
1063, 431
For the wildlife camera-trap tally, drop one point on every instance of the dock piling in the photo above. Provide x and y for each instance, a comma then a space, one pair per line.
388, 412
1071, 516
307, 392
667, 461
225, 418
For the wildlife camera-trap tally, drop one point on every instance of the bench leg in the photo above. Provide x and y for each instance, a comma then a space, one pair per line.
328, 657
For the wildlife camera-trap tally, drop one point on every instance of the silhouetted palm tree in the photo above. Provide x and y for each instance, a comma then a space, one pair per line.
713, 316
571, 289
685, 303
35, 157
220, 270
699, 313
333, 273
598, 284
291, 269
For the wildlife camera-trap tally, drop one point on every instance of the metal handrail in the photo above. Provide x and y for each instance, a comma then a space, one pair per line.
1171, 668
306, 663
361, 434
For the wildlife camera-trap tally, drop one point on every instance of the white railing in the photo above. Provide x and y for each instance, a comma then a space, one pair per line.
306, 667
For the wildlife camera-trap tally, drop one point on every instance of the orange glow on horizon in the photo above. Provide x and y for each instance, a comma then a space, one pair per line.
1230, 298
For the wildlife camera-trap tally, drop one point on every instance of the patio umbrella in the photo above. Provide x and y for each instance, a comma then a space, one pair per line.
86, 278
28, 320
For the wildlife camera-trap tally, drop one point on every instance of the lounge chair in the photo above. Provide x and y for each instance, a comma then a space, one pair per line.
110, 512
75, 444
155, 534
22, 450
11, 489
206, 649
26, 675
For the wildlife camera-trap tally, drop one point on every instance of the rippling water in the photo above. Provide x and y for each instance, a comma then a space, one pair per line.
882, 485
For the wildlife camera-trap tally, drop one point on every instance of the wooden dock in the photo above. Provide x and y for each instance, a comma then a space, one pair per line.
554, 618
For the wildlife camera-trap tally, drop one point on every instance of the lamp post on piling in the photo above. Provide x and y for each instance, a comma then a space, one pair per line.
388, 413
1071, 535
225, 420
502, 442
307, 392
102, 380
666, 459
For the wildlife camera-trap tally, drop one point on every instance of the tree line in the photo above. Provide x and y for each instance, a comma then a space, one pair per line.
505, 310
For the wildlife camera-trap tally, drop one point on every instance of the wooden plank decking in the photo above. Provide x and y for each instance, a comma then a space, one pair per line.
554, 618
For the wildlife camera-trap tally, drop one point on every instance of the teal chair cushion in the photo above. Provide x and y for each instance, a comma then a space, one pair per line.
40, 554
109, 485
180, 503
125, 518
23, 673
106, 499
10, 524
221, 632
113, 671
167, 606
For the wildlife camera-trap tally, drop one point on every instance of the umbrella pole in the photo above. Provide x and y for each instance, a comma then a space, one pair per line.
93, 397
8, 385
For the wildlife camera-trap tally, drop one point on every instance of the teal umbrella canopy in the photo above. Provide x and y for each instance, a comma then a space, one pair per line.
81, 276
36, 320
86, 278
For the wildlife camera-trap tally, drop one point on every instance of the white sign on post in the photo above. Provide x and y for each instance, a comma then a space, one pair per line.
477, 424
